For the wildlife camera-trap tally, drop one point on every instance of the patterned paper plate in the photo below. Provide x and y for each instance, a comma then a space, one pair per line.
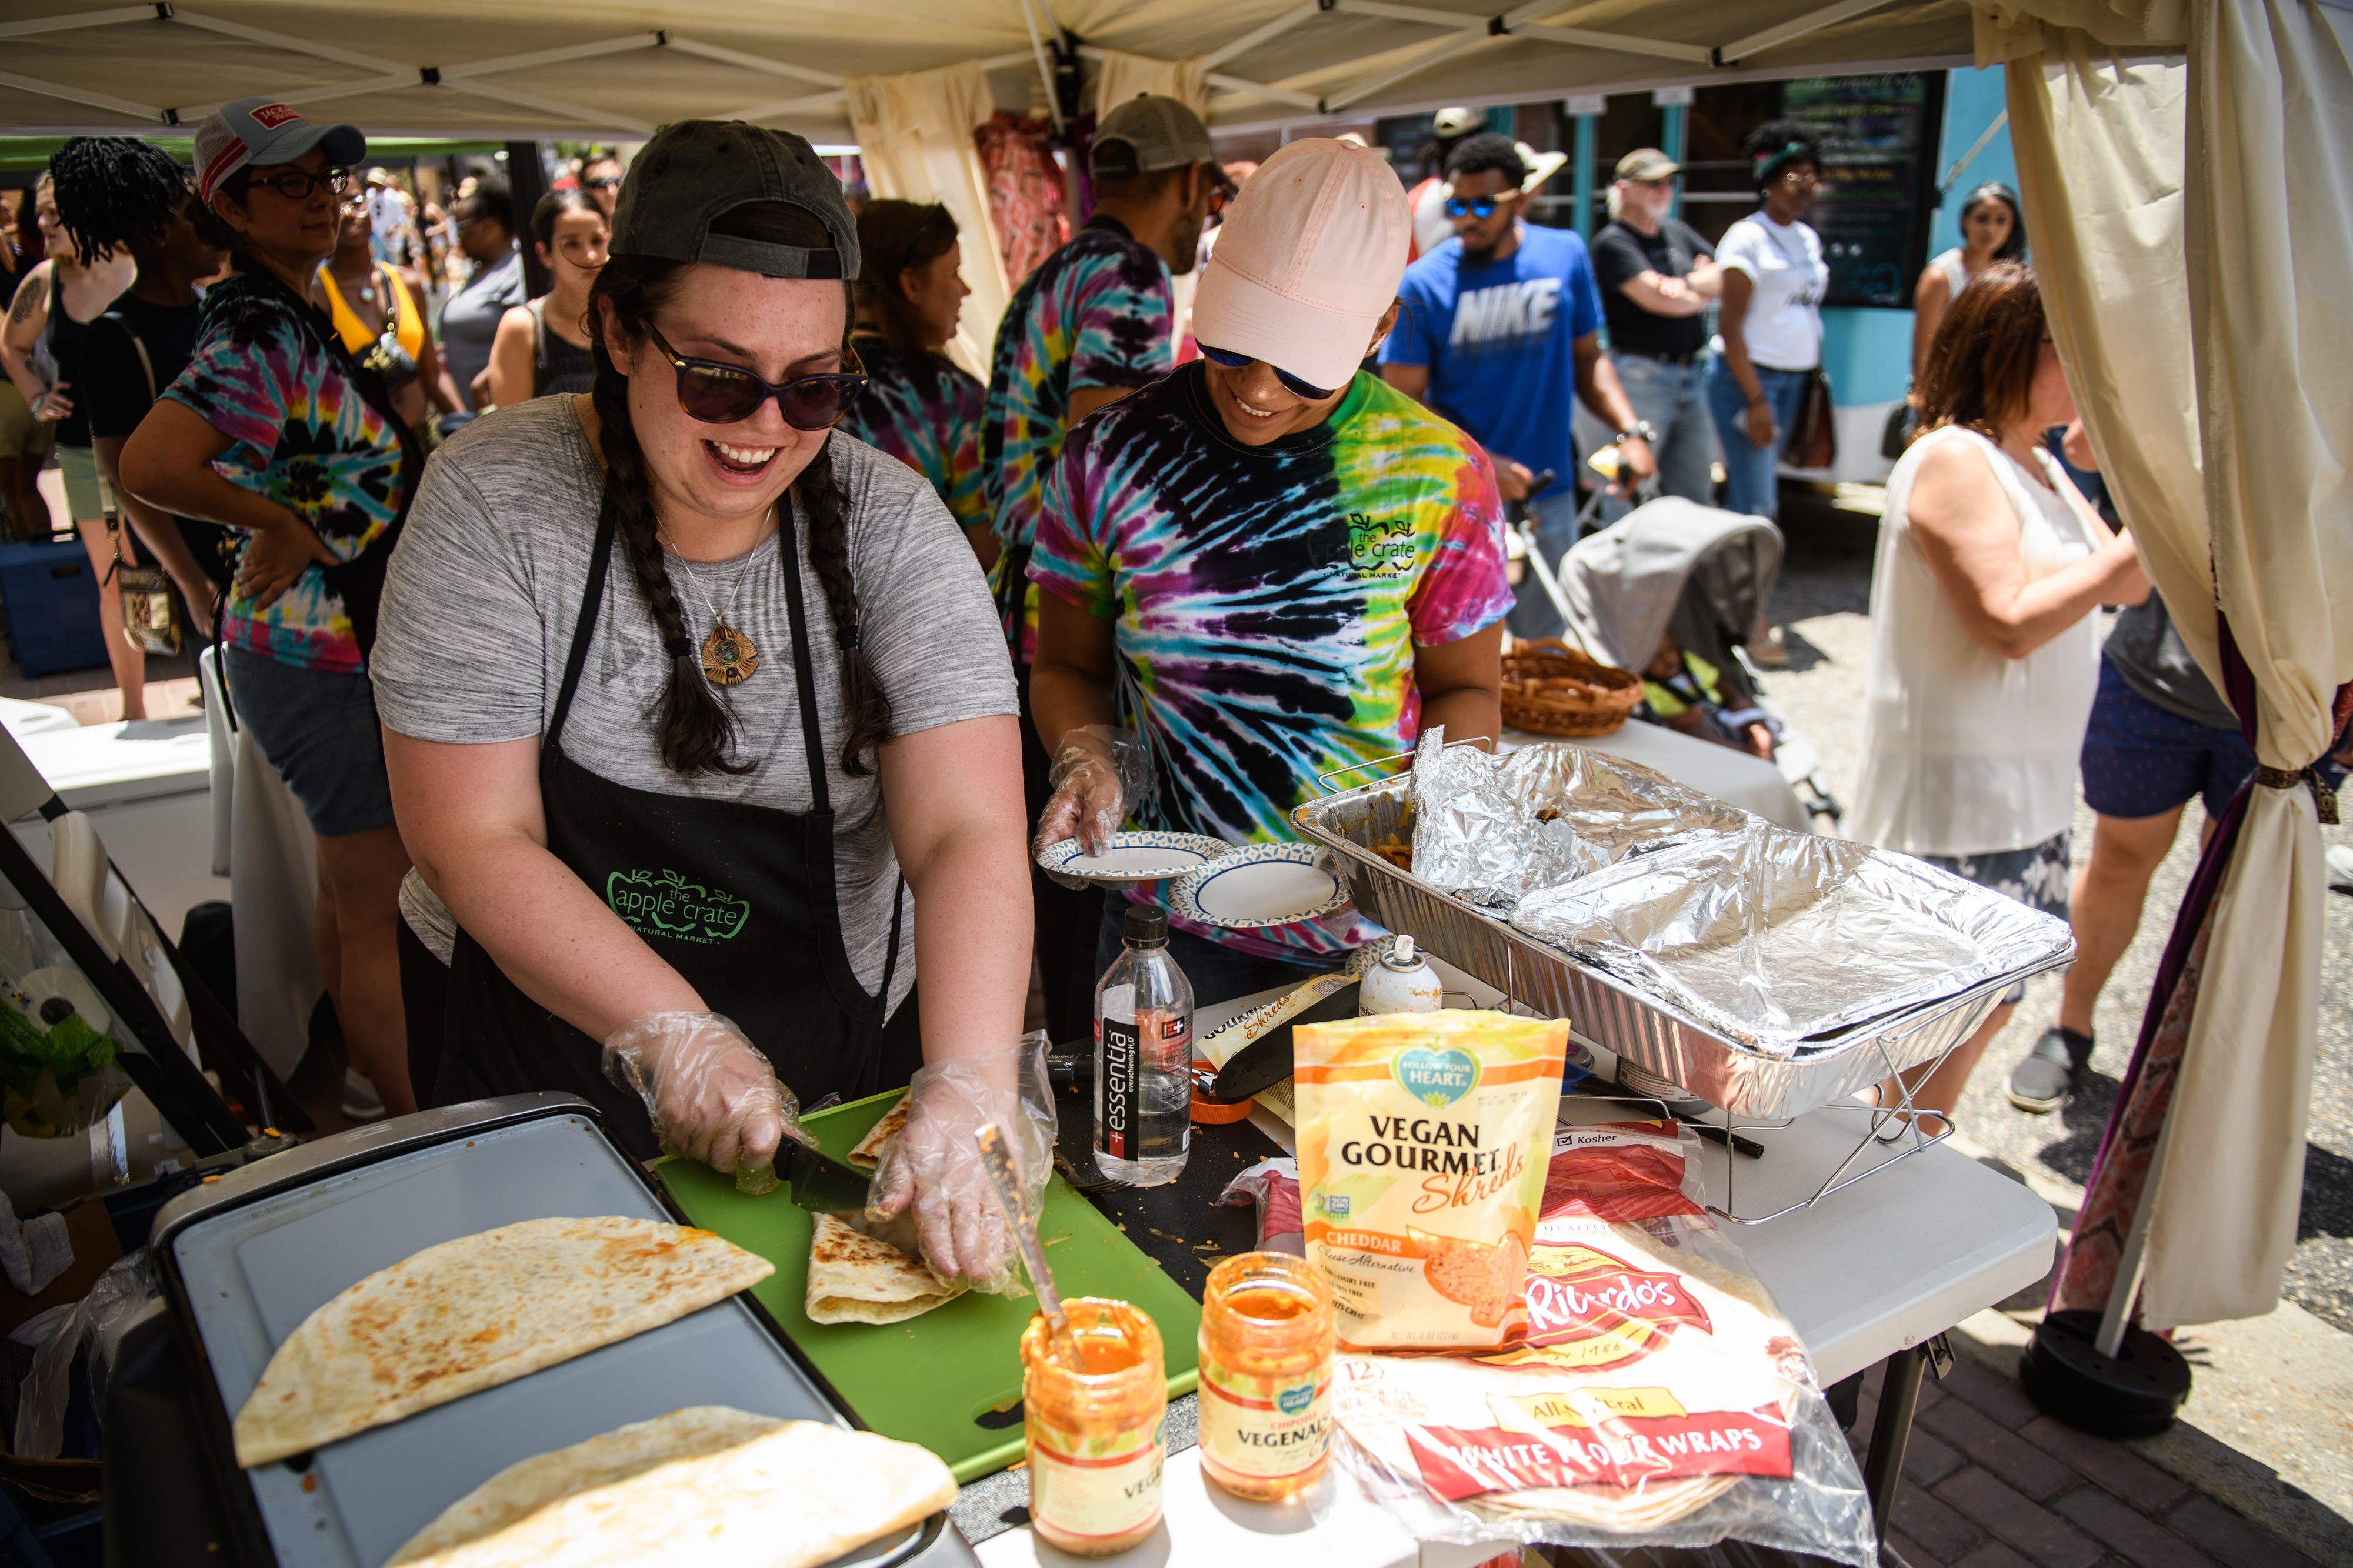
1134, 858
1264, 885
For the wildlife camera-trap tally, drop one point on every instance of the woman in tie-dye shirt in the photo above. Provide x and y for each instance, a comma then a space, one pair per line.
1266, 574
918, 406
273, 431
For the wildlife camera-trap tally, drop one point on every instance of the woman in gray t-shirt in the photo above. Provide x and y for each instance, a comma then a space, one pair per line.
699, 724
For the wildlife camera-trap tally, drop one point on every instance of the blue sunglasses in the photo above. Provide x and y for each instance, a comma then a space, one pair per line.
1477, 206
1290, 382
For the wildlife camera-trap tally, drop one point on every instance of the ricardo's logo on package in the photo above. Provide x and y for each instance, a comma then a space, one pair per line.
664, 903
1588, 1309
1437, 1078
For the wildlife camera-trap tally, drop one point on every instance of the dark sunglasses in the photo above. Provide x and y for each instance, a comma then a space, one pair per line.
1477, 206
720, 394
603, 183
295, 185
1290, 382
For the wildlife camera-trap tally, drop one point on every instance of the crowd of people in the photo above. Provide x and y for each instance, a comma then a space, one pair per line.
727, 603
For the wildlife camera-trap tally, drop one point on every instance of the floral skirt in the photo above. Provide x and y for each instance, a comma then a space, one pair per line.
2036, 876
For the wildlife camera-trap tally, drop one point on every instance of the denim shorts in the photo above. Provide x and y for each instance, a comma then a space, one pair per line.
2037, 876
2139, 759
319, 730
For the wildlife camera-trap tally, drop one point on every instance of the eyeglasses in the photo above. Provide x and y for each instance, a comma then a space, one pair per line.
719, 393
1290, 382
1800, 177
295, 185
1477, 206
603, 182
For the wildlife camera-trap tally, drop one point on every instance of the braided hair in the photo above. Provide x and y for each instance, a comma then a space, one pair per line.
697, 732
115, 193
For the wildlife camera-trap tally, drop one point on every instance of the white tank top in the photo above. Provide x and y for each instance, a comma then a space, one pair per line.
1965, 751
1948, 262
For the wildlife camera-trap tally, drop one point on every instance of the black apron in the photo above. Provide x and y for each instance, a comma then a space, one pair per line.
739, 899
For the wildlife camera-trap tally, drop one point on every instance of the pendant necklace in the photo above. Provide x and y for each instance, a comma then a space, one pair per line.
729, 657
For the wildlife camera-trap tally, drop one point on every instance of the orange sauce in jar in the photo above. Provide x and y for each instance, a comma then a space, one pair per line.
1092, 1416
1266, 1376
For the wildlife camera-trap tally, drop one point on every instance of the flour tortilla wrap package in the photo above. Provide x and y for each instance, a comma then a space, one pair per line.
1655, 1396
1421, 1141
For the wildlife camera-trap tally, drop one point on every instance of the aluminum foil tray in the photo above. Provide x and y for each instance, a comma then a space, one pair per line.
1614, 1015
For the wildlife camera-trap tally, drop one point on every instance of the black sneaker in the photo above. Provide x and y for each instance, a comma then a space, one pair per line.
2042, 1082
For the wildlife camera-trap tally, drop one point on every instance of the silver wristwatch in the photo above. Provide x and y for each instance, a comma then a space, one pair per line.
1640, 427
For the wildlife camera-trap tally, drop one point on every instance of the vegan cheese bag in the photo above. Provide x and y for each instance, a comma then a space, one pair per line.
1421, 1141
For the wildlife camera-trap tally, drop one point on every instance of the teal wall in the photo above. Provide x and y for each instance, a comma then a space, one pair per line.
1869, 353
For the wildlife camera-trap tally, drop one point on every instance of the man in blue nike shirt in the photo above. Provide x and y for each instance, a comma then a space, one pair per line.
1501, 328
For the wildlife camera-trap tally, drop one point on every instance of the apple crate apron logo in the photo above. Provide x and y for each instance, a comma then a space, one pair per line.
664, 903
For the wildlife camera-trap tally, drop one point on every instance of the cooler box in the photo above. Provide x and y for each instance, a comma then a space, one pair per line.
50, 591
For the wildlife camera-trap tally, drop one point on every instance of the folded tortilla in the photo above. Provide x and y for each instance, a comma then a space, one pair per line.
475, 1312
701, 1487
854, 1278
869, 1150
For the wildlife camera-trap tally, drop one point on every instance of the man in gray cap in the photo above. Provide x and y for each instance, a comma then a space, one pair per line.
1657, 275
1093, 322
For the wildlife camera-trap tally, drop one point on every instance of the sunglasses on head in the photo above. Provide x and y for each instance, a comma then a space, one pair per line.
1476, 207
720, 394
1290, 382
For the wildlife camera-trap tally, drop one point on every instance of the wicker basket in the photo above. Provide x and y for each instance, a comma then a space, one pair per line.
1551, 689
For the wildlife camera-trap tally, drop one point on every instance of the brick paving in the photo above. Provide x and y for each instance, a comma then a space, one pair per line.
1989, 1481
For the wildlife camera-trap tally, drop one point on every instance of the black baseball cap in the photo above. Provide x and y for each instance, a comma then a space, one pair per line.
697, 171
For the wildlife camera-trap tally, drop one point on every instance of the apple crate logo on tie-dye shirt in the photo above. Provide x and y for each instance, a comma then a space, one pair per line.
1098, 312
301, 435
925, 411
1266, 600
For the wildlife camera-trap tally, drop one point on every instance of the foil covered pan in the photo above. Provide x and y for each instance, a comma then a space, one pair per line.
1492, 830
1780, 941
1367, 825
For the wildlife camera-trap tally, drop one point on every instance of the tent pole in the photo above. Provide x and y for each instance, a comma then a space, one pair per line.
1045, 71
2115, 1318
1582, 188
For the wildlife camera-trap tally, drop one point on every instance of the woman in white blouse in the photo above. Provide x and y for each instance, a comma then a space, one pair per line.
1771, 320
1984, 650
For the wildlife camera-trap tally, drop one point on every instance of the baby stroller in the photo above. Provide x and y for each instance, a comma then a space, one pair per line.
1703, 575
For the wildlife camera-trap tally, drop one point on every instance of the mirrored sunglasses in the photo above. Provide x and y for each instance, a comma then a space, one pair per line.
1476, 207
1290, 382
719, 393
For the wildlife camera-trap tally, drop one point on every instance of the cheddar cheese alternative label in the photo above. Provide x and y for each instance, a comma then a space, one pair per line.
1422, 1140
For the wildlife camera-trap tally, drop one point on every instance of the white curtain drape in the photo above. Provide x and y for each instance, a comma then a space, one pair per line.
2193, 227
1119, 77
915, 137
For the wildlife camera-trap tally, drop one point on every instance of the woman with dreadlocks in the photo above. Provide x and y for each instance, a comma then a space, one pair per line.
685, 697
119, 195
276, 431
54, 306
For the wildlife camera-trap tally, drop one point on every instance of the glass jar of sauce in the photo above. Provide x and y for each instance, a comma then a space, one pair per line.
1093, 1420
1266, 1376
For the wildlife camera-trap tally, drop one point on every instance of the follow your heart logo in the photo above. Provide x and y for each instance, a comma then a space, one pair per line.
1437, 1078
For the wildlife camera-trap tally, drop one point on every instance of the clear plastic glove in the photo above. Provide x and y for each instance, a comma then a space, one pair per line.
1101, 775
710, 1093
934, 1163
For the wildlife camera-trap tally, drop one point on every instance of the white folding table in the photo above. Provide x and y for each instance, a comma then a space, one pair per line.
1871, 1273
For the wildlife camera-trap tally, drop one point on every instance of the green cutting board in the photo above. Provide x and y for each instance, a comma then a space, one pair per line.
933, 1380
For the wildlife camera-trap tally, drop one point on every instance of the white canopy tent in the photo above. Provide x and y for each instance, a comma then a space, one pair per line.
530, 68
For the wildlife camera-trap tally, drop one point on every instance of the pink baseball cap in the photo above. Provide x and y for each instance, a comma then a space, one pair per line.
261, 131
1307, 262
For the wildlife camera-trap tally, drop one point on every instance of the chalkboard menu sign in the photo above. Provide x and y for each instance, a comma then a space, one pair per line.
1878, 135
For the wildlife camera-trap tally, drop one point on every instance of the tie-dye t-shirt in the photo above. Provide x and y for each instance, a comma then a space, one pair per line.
1098, 312
301, 435
924, 410
1266, 600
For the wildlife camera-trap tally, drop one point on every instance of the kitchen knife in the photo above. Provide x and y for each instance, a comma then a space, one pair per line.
823, 1184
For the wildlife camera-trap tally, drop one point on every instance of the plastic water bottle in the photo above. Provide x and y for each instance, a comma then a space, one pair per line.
1144, 1057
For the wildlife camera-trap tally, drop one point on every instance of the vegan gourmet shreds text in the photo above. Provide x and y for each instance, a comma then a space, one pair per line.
1422, 1142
